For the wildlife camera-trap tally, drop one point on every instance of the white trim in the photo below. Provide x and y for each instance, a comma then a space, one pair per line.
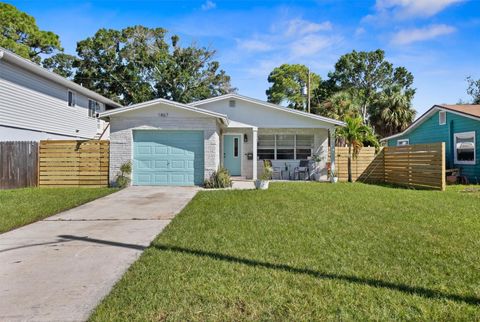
427, 114
240, 152
465, 135
440, 113
403, 140
186, 107
45, 73
270, 105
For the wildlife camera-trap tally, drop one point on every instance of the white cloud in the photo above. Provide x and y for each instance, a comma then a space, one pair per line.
408, 36
209, 5
302, 27
404, 9
311, 45
253, 45
359, 31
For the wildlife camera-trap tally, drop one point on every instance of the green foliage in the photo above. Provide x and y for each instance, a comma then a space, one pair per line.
340, 105
309, 252
266, 173
136, 64
20, 34
355, 133
287, 83
20, 207
219, 179
61, 64
123, 180
474, 89
367, 75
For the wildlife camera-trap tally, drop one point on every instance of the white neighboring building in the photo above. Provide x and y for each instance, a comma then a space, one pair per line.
36, 104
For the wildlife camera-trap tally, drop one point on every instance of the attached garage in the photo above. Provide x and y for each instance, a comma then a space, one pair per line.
169, 158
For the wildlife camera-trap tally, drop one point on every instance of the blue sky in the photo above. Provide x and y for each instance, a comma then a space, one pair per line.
437, 40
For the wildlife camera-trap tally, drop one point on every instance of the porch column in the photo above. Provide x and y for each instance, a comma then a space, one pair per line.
254, 142
332, 153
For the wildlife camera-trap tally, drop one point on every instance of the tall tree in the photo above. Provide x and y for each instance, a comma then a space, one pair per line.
474, 89
339, 106
61, 64
354, 133
20, 34
367, 74
288, 82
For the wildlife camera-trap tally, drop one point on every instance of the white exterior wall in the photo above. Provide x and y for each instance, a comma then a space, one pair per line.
16, 134
123, 125
28, 101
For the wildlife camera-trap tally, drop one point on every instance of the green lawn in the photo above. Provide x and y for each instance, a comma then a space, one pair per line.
307, 251
20, 207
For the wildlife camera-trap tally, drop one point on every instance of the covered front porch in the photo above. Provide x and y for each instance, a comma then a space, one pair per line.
294, 153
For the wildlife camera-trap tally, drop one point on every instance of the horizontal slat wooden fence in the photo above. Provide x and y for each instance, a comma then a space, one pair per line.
73, 163
18, 164
419, 165
359, 165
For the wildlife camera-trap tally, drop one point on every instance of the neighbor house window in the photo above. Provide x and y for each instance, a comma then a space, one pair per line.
71, 98
93, 108
403, 142
465, 148
285, 147
442, 117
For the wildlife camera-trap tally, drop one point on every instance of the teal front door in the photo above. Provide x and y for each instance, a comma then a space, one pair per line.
232, 152
168, 158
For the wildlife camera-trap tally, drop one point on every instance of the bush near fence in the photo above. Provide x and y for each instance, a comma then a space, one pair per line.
73, 163
419, 165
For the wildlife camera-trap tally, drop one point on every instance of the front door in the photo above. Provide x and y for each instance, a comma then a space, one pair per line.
232, 154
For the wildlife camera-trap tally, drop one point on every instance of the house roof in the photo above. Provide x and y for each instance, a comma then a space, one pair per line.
45, 73
267, 104
134, 107
470, 111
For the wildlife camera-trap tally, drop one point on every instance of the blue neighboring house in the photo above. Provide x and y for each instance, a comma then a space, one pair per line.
456, 125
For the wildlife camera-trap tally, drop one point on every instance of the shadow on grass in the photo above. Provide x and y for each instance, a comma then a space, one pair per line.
414, 290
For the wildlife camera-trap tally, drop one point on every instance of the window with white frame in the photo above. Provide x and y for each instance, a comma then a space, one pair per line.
285, 146
71, 98
465, 148
442, 118
403, 142
93, 108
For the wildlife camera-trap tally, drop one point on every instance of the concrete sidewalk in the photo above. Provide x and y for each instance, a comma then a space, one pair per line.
59, 269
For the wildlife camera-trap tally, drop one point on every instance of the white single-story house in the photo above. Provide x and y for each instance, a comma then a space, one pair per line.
37, 104
170, 143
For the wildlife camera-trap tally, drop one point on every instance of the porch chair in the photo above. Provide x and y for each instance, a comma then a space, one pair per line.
304, 169
276, 171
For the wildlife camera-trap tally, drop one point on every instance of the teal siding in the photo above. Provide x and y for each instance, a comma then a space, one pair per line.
431, 132
172, 158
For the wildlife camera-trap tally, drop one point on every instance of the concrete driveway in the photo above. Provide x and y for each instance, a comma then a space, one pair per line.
58, 269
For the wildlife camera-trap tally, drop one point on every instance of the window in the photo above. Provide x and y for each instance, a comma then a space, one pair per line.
93, 108
403, 142
71, 98
465, 148
442, 118
304, 146
284, 147
231, 103
235, 147
266, 147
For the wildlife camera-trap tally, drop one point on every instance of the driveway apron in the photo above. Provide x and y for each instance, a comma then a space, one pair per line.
60, 268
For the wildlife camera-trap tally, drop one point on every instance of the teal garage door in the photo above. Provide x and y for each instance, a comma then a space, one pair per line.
168, 158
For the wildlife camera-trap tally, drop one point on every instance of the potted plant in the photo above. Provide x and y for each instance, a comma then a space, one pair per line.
317, 159
333, 176
262, 182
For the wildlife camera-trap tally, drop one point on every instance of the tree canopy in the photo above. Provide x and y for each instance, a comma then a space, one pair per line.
287, 85
20, 34
474, 89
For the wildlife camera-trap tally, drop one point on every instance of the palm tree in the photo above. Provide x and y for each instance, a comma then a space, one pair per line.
354, 133
339, 105
393, 112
